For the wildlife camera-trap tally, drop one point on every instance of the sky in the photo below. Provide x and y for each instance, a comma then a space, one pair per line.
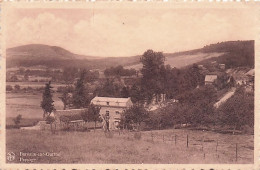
127, 32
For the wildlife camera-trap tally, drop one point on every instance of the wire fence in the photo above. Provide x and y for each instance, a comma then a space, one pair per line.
207, 146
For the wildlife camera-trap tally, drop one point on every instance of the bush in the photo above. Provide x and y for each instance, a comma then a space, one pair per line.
137, 135
17, 120
17, 87
247, 129
9, 88
238, 111
61, 89
12, 127
50, 120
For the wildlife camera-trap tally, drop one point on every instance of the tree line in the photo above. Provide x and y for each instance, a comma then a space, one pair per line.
195, 104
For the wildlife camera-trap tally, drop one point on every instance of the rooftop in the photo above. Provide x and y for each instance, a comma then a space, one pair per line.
111, 101
210, 78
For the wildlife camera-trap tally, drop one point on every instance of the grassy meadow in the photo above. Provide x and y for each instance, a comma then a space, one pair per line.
153, 147
158, 146
181, 60
28, 105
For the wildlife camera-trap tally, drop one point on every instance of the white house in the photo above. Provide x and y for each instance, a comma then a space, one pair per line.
209, 79
112, 108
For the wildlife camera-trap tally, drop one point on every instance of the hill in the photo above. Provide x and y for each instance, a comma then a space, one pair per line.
231, 53
43, 52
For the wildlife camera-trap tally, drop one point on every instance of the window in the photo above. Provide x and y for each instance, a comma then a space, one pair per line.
117, 112
107, 113
107, 103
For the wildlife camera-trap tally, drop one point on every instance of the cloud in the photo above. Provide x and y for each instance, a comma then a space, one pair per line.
44, 28
116, 34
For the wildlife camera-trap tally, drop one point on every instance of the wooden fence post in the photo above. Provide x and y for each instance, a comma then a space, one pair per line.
217, 146
163, 138
202, 145
187, 140
236, 151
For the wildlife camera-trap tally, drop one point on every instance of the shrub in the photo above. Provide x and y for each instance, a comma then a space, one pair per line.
12, 127
17, 87
9, 88
17, 120
246, 129
137, 135
50, 120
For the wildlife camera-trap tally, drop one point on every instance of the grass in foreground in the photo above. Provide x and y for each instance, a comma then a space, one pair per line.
95, 147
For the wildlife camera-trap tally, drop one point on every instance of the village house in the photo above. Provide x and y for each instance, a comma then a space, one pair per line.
201, 67
222, 66
209, 79
112, 108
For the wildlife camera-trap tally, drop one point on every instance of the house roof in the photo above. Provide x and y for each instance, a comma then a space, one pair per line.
210, 78
110, 101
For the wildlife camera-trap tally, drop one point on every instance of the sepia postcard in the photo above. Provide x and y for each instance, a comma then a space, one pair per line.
129, 85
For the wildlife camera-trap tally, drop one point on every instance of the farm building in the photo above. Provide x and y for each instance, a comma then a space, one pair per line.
222, 66
209, 79
112, 108
71, 117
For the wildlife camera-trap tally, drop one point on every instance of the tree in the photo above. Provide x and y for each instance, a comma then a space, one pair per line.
9, 88
190, 78
110, 88
51, 120
134, 115
80, 94
26, 77
17, 120
136, 94
47, 102
238, 110
125, 92
170, 81
14, 78
66, 98
119, 71
153, 63
17, 87
198, 105
92, 114
69, 74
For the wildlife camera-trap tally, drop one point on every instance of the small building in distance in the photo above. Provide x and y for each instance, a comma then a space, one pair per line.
112, 108
69, 118
209, 79
222, 66
201, 67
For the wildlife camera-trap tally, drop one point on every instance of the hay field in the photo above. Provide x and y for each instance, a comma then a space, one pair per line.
95, 147
28, 105
34, 84
181, 60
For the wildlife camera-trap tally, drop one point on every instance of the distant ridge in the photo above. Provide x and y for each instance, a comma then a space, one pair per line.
232, 53
36, 51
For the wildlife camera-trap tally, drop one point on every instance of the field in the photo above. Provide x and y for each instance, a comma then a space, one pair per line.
34, 84
164, 146
28, 105
182, 60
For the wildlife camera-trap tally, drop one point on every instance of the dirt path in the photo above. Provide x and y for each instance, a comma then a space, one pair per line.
226, 96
